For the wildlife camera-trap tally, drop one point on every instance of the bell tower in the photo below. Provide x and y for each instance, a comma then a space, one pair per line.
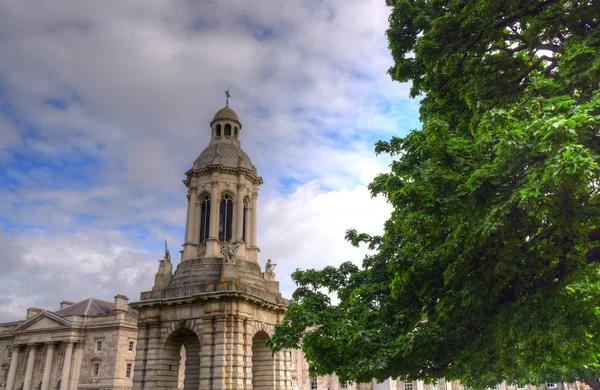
205, 325
222, 193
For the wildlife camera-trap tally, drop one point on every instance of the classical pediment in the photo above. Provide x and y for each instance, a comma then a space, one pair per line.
43, 321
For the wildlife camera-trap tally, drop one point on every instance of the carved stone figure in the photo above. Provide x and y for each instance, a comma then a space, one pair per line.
270, 270
230, 253
167, 253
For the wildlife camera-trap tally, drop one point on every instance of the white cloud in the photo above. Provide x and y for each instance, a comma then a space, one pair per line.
306, 229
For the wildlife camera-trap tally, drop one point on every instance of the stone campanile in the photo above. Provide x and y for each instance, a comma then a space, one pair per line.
205, 325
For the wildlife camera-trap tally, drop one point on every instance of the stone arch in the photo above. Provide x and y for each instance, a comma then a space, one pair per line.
181, 341
263, 364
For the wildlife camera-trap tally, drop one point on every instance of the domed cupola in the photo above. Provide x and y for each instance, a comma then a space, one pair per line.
224, 148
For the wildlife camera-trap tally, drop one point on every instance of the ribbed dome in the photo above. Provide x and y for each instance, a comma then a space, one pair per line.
226, 113
227, 154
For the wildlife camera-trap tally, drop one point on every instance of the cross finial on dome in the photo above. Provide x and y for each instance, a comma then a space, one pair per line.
227, 100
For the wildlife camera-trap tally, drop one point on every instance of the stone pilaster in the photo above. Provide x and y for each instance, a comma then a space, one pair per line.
238, 358
47, 375
220, 354
150, 359
66, 369
279, 371
12, 371
206, 353
247, 355
76, 369
230, 351
29, 368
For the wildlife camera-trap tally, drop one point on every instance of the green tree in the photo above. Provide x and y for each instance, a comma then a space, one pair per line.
486, 270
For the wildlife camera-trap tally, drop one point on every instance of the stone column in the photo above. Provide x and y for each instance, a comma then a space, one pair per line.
66, 369
254, 219
188, 217
214, 209
12, 371
48, 366
29, 368
189, 250
240, 213
196, 217
76, 371
212, 246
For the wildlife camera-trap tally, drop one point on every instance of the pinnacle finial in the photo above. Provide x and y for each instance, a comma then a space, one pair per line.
227, 100
166, 245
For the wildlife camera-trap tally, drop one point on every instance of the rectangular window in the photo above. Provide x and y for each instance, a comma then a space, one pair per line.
131, 345
98, 346
408, 385
551, 385
96, 371
313, 382
128, 371
4, 376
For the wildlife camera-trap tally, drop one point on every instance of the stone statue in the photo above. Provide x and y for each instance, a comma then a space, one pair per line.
164, 274
269, 270
167, 253
230, 253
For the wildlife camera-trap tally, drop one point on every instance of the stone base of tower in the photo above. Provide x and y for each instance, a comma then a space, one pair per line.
218, 316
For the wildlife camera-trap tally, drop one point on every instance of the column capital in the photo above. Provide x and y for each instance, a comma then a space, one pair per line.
68, 342
49, 343
32, 345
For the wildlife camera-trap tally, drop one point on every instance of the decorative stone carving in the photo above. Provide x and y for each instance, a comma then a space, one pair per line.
269, 273
230, 253
201, 250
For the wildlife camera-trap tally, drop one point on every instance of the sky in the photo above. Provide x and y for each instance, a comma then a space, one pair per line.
105, 105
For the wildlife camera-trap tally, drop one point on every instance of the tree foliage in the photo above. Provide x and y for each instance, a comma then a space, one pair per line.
487, 268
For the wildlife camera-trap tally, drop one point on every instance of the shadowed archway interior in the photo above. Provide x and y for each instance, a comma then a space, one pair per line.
171, 359
263, 364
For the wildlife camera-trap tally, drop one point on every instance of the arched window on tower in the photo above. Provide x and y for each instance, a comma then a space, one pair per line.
225, 218
218, 130
204, 218
228, 130
244, 220
235, 132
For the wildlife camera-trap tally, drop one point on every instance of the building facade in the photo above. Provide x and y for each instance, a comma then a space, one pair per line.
85, 345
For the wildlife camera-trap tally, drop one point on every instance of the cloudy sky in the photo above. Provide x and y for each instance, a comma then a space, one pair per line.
105, 104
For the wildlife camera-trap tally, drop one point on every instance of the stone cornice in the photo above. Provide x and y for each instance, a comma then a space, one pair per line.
213, 295
195, 172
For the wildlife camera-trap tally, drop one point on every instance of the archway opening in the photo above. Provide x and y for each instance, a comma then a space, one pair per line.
180, 363
263, 365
